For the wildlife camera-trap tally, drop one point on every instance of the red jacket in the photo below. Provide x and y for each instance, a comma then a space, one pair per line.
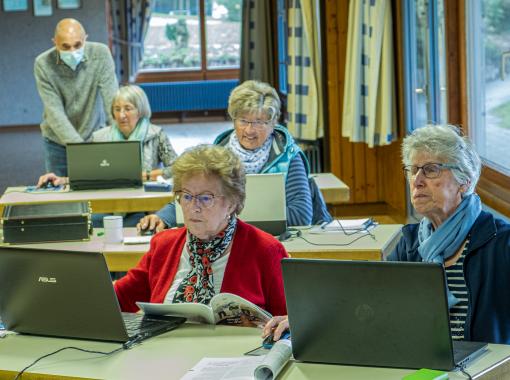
253, 270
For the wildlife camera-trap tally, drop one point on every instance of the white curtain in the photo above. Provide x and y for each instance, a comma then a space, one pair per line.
305, 100
369, 109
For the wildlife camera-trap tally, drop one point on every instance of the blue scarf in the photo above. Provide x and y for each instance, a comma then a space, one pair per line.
253, 160
137, 134
437, 245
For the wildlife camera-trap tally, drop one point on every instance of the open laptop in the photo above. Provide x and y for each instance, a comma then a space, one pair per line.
368, 313
265, 204
104, 165
68, 294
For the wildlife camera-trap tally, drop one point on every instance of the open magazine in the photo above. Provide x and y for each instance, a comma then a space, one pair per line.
264, 367
224, 308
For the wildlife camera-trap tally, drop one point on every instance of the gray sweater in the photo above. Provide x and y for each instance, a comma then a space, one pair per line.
76, 103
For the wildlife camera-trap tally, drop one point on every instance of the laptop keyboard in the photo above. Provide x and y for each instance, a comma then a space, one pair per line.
137, 324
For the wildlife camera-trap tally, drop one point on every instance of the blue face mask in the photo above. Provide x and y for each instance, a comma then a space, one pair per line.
72, 58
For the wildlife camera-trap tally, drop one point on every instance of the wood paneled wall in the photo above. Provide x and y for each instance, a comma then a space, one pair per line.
373, 175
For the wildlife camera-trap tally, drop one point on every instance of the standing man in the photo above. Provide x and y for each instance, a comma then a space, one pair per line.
76, 82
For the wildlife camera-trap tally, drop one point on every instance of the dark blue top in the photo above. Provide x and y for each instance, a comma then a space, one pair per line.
487, 275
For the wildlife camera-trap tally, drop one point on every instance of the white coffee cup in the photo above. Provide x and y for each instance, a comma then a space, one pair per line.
113, 229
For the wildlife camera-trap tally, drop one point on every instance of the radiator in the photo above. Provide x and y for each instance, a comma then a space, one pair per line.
189, 96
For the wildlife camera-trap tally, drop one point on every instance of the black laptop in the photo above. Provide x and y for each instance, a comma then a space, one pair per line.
104, 165
368, 313
68, 294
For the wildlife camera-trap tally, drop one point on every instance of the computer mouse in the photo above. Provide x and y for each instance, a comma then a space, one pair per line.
146, 232
48, 185
268, 341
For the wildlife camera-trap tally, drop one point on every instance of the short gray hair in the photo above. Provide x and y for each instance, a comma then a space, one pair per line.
446, 143
217, 161
252, 97
136, 96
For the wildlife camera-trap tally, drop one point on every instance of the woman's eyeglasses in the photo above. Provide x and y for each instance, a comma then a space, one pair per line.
256, 124
432, 170
203, 200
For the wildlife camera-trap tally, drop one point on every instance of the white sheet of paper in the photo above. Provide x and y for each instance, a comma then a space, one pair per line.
240, 368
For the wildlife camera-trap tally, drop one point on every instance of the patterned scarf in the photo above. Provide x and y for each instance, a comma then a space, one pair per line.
253, 160
438, 245
198, 285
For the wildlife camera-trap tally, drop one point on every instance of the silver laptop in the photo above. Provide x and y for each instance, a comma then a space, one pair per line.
104, 165
384, 314
68, 294
265, 204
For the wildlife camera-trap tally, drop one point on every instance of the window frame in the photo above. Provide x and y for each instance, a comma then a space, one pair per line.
493, 186
203, 73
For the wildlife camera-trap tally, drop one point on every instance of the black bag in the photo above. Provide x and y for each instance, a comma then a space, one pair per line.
60, 221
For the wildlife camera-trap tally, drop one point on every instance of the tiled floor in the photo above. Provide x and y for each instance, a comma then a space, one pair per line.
186, 135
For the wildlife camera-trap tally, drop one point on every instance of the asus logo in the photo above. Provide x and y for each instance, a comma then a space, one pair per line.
104, 164
51, 280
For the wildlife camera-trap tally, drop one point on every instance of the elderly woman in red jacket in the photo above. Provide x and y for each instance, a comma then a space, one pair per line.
215, 251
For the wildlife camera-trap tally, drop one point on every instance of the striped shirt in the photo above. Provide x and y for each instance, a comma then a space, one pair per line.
299, 198
457, 285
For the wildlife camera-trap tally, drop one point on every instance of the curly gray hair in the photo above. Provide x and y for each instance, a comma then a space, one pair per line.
447, 144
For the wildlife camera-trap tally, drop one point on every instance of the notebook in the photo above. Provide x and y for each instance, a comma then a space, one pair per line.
68, 294
368, 313
265, 204
104, 165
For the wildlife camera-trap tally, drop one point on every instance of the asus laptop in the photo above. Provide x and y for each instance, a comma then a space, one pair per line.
265, 205
104, 165
384, 314
68, 294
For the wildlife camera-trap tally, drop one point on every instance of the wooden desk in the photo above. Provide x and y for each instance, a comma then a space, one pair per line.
121, 257
171, 355
102, 201
332, 188
338, 246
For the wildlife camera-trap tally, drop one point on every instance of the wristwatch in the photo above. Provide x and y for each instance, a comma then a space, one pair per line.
148, 176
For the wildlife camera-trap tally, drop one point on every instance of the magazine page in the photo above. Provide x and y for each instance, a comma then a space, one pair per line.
231, 309
274, 361
194, 312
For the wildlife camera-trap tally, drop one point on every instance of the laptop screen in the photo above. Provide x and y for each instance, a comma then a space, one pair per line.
59, 293
104, 165
387, 314
265, 204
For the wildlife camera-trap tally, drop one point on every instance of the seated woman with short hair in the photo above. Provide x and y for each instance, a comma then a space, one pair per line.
442, 169
264, 146
131, 112
215, 251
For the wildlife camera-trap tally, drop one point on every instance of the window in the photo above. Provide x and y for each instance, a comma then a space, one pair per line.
193, 36
488, 63
425, 72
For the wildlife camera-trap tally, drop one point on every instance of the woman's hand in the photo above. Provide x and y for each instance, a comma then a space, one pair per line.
276, 326
52, 178
151, 222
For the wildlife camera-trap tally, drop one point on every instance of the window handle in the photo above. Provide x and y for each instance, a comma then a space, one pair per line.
504, 57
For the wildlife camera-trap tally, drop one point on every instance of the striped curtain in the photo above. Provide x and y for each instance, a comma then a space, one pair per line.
369, 109
258, 60
305, 98
129, 24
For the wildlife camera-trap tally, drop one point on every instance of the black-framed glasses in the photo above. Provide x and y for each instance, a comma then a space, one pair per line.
204, 200
255, 124
431, 170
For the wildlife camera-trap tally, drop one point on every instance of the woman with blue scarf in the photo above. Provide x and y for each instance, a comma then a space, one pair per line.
442, 169
131, 112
